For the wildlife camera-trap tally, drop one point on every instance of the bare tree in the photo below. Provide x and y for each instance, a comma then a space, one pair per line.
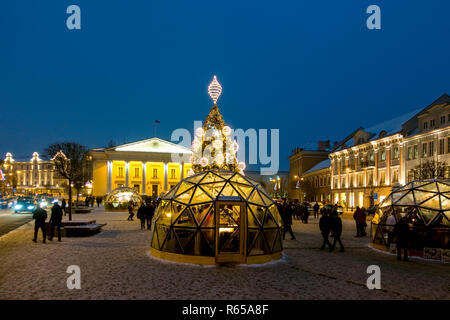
68, 158
430, 169
309, 188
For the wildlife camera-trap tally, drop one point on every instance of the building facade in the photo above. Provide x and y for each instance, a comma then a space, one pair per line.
315, 184
366, 166
32, 176
301, 161
149, 166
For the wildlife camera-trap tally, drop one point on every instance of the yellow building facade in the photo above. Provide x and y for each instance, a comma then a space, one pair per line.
149, 166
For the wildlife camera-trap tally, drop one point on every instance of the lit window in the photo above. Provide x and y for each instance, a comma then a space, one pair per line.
424, 150
416, 151
441, 146
172, 174
136, 173
383, 155
410, 153
431, 148
395, 154
120, 171
155, 173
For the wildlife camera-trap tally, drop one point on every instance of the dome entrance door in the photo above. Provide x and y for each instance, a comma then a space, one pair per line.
230, 232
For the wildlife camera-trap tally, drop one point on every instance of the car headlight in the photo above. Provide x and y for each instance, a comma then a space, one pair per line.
30, 207
18, 206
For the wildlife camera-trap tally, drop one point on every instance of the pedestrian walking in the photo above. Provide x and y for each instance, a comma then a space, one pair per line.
316, 208
141, 215
336, 230
324, 226
55, 221
130, 211
63, 206
287, 221
305, 214
149, 213
39, 216
401, 236
99, 200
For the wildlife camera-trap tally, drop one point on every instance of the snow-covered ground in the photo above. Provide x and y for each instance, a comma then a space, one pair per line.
115, 264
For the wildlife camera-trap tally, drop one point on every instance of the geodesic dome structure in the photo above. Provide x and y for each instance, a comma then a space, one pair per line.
425, 205
214, 215
120, 198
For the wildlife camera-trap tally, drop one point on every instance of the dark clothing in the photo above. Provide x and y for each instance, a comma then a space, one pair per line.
141, 216
360, 220
324, 226
40, 215
149, 212
287, 228
336, 231
63, 206
55, 221
130, 211
401, 233
316, 208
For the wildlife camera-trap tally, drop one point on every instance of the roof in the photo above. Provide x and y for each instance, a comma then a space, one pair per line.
321, 165
391, 126
154, 144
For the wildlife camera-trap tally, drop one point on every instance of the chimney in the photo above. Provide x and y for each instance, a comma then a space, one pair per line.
323, 145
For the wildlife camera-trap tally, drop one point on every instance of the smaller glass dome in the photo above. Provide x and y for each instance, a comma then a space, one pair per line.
121, 198
425, 206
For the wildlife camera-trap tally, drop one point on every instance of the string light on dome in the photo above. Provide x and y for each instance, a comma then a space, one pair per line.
220, 159
235, 146
217, 144
199, 132
204, 162
214, 90
226, 130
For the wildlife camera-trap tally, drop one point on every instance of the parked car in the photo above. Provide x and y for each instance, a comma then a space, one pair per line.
24, 205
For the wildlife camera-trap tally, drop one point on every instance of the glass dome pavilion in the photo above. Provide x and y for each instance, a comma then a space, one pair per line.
217, 215
425, 205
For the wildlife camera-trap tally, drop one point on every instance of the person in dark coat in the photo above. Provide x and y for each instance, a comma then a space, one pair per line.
141, 215
149, 213
63, 206
305, 213
39, 216
401, 233
98, 200
336, 230
316, 208
130, 211
287, 221
55, 221
324, 226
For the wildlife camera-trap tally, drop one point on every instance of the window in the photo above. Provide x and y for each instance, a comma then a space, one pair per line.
383, 178
425, 125
410, 153
396, 153
172, 174
431, 123
424, 150
442, 119
136, 173
155, 173
395, 176
383, 155
441, 146
137, 187
120, 171
431, 149
416, 151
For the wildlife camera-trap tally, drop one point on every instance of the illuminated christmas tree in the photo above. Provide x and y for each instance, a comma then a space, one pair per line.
212, 146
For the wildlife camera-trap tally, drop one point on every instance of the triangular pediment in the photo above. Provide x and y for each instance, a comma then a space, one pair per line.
155, 145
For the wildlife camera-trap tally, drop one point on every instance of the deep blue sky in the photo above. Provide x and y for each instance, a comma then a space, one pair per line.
310, 68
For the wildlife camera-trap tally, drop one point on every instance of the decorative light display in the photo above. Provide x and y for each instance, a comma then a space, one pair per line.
212, 146
214, 90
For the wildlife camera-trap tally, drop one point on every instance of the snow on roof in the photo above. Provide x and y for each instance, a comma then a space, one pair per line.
391, 126
321, 165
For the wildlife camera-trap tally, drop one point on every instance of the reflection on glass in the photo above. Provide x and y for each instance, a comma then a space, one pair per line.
229, 228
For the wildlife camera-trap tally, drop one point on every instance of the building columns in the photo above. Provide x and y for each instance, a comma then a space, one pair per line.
144, 173
165, 176
109, 176
127, 173
182, 171
388, 166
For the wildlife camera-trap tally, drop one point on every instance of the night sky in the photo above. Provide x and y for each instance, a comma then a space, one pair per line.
310, 68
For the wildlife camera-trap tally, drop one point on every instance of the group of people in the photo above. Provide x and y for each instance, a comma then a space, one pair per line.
330, 224
91, 200
40, 216
145, 214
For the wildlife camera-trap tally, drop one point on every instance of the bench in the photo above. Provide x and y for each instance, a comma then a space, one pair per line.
83, 230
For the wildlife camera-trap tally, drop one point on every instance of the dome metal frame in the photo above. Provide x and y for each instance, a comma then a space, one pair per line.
188, 224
